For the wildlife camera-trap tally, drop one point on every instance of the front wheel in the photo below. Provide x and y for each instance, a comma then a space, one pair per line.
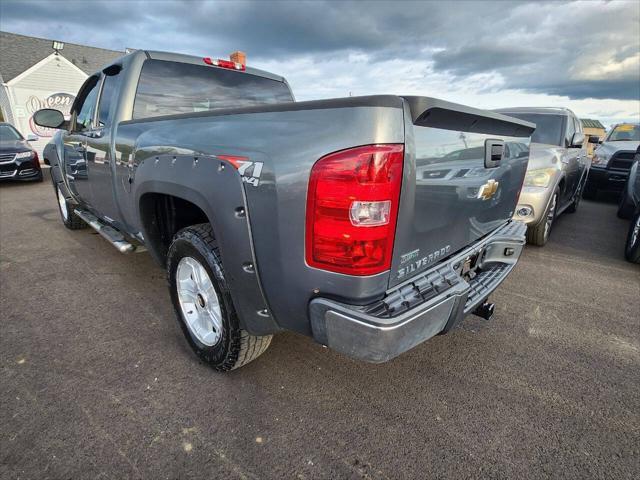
203, 304
539, 234
632, 248
68, 216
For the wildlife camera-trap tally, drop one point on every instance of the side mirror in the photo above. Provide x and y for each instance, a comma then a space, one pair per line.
49, 118
578, 140
594, 139
32, 138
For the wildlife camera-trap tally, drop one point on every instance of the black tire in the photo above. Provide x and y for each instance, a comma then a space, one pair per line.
539, 234
235, 346
589, 192
632, 248
70, 219
625, 209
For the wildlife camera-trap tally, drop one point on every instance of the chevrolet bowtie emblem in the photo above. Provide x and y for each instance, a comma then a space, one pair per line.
488, 190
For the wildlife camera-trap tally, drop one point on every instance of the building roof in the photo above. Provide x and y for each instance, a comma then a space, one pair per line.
19, 52
588, 123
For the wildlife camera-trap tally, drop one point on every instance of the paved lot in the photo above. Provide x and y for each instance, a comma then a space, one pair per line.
96, 380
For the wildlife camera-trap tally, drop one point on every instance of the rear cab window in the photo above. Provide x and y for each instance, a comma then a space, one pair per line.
169, 88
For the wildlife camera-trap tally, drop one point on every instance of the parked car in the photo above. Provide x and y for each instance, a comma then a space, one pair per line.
557, 171
271, 215
612, 160
629, 208
18, 161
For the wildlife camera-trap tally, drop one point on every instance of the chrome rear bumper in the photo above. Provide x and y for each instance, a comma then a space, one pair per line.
425, 305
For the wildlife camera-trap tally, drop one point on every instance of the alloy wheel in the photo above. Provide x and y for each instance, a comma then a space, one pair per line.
199, 301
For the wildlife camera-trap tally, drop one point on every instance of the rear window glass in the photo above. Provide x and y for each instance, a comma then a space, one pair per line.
168, 88
549, 128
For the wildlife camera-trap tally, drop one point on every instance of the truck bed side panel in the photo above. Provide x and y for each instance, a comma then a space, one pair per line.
286, 144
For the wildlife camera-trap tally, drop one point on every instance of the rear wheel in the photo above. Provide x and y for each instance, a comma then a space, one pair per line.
539, 234
69, 218
632, 248
203, 304
625, 208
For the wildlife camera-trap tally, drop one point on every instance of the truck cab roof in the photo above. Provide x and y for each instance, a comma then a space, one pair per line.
182, 58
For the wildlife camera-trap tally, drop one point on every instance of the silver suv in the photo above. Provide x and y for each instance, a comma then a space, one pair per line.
557, 171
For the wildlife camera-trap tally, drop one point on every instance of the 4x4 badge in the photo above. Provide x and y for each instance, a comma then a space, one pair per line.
249, 171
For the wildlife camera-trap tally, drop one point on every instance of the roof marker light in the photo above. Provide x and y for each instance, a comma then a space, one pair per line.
224, 64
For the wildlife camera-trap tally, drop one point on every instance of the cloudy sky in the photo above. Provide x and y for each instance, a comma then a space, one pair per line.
581, 54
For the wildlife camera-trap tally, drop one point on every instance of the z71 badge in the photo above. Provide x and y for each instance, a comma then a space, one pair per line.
249, 171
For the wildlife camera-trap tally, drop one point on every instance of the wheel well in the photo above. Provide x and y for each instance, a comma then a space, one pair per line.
165, 215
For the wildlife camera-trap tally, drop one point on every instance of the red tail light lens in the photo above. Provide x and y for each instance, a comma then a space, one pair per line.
352, 206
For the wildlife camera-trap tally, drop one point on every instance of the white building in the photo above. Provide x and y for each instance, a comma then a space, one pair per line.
34, 75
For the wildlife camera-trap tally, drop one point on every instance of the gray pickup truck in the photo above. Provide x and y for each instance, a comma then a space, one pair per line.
368, 223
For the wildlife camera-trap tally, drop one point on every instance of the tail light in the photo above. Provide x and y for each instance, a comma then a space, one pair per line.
352, 206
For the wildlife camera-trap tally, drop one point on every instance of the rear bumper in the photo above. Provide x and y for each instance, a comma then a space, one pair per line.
431, 303
607, 179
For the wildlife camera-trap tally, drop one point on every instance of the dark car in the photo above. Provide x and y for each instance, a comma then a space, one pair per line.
613, 159
18, 161
629, 208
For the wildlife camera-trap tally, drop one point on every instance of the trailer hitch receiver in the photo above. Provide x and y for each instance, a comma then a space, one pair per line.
485, 310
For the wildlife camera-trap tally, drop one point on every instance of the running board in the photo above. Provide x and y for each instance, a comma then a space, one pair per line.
113, 236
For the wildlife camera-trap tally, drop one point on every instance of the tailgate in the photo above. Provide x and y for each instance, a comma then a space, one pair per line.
463, 172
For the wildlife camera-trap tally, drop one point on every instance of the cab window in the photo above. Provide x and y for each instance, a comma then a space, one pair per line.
110, 85
86, 107
571, 129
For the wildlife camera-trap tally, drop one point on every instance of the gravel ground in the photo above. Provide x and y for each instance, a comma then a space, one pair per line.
96, 380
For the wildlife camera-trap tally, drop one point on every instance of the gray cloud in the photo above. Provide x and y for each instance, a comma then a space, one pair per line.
536, 47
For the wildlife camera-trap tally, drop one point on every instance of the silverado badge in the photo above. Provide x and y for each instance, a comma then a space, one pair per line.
488, 190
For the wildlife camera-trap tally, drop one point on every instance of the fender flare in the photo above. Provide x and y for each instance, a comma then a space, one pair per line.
219, 193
